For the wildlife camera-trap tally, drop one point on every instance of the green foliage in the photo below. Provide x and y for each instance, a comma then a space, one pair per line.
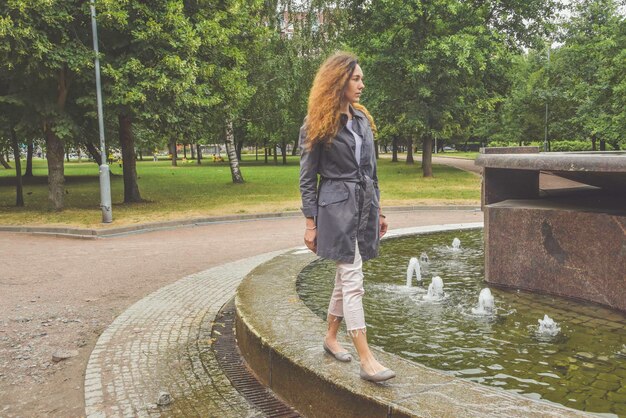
446, 69
582, 81
43, 52
432, 67
283, 71
569, 146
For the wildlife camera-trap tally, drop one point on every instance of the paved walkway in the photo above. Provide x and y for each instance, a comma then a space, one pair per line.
92, 282
163, 344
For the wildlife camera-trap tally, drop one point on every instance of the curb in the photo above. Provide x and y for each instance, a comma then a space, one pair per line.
91, 233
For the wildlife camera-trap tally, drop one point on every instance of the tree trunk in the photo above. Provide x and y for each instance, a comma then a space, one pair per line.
376, 149
19, 192
593, 143
140, 155
283, 148
4, 162
129, 163
67, 156
394, 150
275, 150
29, 159
56, 171
193, 154
54, 147
185, 151
294, 150
602, 145
199, 154
238, 148
427, 156
174, 152
94, 152
409, 151
232, 155
265, 150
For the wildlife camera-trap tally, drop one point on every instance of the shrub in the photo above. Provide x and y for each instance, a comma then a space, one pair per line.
569, 146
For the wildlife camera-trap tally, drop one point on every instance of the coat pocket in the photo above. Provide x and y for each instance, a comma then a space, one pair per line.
333, 195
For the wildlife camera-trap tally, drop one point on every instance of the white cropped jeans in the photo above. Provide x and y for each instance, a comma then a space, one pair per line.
347, 298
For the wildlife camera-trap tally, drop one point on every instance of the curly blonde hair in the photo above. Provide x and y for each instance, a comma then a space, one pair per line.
323, 115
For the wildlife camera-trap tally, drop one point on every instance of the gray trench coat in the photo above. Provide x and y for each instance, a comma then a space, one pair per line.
345, 198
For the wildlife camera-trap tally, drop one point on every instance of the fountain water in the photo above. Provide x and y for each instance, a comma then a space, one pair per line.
435, 290
547, 327
486, 303
413, 268
503, 349
456, 244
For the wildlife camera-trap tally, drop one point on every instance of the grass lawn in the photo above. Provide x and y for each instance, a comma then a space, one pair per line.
190, 190
470, 155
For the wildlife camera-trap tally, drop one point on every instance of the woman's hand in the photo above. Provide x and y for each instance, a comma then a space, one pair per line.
310, 234
383, 225
310, 239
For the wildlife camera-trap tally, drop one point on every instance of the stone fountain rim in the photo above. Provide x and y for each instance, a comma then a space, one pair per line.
606, 162
279, 337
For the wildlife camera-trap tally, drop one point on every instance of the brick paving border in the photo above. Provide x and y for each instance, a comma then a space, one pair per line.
162, 343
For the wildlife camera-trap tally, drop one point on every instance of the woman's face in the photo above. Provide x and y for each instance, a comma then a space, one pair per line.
355, 86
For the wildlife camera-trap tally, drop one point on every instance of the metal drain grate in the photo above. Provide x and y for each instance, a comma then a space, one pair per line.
234, 367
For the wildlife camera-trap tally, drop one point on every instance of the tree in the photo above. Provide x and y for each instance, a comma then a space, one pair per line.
150, 67
42, 51
432, 60
282, 72
585, 66
230, 32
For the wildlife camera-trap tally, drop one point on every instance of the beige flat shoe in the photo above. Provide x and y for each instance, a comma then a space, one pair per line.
381, 376
343, 356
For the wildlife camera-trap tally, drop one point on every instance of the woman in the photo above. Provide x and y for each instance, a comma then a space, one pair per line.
344, 221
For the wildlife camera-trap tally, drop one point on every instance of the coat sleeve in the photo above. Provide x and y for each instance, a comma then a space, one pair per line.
309, 162
375, 178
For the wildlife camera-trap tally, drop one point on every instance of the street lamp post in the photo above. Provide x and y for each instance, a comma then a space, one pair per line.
545, 135
105, 180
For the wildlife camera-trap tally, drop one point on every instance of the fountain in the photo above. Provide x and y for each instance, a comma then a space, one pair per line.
547, 327
578, 368
413, 268
486, 304
435, 290
456, 244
